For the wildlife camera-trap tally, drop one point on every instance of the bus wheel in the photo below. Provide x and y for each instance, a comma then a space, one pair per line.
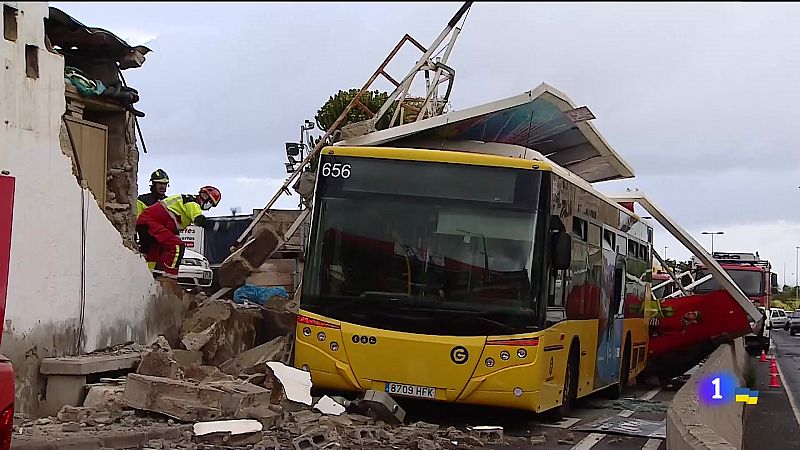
616, 391
570, 391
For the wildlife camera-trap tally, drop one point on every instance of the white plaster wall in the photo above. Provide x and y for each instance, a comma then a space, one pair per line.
45, 273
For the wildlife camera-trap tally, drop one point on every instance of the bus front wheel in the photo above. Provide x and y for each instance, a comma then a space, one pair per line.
570, 391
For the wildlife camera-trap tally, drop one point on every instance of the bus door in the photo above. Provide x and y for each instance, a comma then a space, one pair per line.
618, 311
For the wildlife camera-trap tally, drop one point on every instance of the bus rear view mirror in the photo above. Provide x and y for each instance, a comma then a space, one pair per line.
562, 251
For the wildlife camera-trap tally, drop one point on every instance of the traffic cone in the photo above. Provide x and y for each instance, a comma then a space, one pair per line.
763, 356
773, 368
773, 381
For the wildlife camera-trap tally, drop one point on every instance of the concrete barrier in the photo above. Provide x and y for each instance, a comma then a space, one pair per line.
690, 425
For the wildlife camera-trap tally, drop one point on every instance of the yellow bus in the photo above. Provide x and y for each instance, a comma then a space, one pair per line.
470, 278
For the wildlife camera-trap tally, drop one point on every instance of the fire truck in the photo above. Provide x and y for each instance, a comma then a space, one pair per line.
754, 276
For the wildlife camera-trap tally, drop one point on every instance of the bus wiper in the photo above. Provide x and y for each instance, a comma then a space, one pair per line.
385, 295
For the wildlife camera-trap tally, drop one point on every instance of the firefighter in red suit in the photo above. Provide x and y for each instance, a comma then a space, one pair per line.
159, 226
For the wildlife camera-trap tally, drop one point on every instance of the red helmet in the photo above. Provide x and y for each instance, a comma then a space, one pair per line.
214, 196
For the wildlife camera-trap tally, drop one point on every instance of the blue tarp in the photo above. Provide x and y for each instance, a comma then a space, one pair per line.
218, 242
258, 294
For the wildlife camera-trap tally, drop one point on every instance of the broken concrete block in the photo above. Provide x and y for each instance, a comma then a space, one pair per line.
384, 407
160, 364
239, 394
425, 444
188, 358
268, 444
253, 360
181, 400
317, 438
206, 374
294, 384
488, 434
568, 439
538, 440
236, 267
74, 414
195, 341
105, 397
71, 427
262, 413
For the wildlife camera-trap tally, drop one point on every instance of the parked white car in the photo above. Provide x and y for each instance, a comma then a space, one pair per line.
778, 317
194, 270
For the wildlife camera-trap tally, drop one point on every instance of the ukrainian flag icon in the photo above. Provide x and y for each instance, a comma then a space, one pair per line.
745, 395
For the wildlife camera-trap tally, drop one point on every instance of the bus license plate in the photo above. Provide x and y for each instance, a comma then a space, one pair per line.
410, 390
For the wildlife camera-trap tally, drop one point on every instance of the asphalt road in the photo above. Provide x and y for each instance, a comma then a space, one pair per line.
525, 425
775, 422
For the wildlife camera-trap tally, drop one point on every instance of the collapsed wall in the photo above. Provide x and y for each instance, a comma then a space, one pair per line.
74, 286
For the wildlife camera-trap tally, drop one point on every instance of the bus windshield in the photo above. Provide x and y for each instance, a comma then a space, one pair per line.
422, 247
751, 282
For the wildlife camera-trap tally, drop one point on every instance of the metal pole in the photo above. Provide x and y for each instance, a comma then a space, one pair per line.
796, 272
712, 244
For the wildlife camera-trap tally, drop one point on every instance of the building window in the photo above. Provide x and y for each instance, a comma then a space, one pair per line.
9, 23
32, 61
579, 229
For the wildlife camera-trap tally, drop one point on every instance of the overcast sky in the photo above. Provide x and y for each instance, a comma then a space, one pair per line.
696, 97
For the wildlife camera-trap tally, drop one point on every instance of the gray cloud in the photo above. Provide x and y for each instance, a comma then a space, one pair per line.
699, 98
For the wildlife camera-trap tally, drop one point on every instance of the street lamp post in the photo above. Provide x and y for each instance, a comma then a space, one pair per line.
796, 273
712, 233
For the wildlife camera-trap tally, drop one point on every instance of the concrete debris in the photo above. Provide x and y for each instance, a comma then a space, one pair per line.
74, 414
262, 413
232, 427
220, 329
105, 397
160, 362
487, 434
187, 358
71, 427
538, 440
425, 444
327, 405
253, 360
206, 374
268, 444
318, 438
295, 384
568, 439
194, 341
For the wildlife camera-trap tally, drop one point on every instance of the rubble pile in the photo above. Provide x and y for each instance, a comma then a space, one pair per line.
229, 386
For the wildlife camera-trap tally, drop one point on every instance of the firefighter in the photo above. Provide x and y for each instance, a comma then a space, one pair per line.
159, 226
159, 180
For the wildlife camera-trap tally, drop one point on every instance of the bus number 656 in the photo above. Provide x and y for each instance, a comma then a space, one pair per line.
336, 170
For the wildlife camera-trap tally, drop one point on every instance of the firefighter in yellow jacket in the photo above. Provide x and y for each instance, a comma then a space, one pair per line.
159, 226
159, 180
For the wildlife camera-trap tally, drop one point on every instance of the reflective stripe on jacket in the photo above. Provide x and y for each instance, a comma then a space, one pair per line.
184, 209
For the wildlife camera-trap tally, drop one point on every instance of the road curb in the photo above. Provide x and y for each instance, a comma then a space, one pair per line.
117, 440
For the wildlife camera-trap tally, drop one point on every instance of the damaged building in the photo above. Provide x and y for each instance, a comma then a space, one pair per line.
68, 136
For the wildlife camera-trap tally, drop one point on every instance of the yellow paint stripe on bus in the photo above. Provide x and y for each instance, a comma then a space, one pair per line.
444, 156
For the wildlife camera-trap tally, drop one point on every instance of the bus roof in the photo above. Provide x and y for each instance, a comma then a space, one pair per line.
543, 119
412, 154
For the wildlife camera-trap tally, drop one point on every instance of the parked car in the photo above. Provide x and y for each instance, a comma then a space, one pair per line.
793, 324
194, 270
778, 317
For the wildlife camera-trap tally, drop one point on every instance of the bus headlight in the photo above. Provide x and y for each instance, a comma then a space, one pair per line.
489, 362
306, 332
334, 346
504, 355
321, 336
306, 368
522, 353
